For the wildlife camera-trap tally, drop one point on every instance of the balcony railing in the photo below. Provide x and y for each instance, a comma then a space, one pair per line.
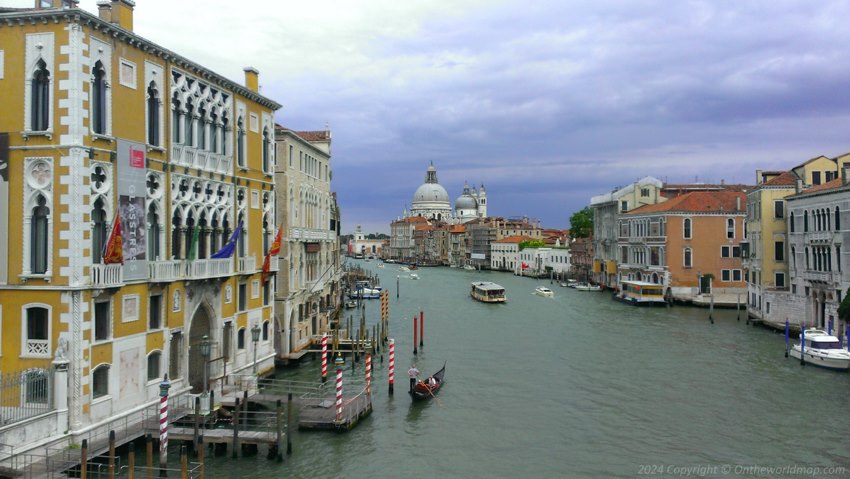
38, 347
819, 276
106, 275
818, 236
246, 265
162, 271
311, 234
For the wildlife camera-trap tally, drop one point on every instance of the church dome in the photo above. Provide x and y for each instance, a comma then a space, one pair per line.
430, 193
465, 202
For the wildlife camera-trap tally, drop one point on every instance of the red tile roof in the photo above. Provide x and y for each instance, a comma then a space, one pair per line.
698, 202
514, 239
458, 229
314, 135
786, 178
829, 185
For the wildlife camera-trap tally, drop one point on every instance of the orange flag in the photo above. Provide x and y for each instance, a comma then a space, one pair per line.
274, 250
114, 250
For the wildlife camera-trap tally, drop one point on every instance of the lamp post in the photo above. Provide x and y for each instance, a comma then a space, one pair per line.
255, 336
205, 353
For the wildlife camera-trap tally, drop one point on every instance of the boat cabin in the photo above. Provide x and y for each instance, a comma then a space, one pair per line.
640, 292
488, 292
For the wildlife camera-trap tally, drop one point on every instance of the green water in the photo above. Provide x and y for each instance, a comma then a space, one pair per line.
575, 386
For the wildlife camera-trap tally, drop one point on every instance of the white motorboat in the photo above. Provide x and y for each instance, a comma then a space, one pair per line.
469, 267
544, 291
821, 349
587, 287
364, 290
414, 276
351, 304
404, 268
380, 265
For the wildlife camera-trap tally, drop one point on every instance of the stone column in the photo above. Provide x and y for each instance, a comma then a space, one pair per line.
60, 389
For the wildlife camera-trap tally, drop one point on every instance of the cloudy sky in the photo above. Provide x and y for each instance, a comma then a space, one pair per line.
545, 102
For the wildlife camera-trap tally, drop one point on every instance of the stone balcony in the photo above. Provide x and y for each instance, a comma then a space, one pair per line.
173, 270
107, 275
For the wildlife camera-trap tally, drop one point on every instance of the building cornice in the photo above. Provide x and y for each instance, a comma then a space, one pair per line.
84, 18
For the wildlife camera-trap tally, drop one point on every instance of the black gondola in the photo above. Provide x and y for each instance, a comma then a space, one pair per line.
426, 389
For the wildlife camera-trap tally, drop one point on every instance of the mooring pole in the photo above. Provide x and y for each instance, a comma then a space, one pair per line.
738, 306
338, 361
397, 288
131, 461
110, 467
711, 308
289, 423
421, 328
84, 460
802, 345
392, 364
164, 386
787, 334
324, 357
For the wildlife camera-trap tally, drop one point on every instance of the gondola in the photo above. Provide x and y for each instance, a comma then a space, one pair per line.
425, 390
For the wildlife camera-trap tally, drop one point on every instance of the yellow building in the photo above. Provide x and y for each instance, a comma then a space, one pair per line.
97, 122
765, 252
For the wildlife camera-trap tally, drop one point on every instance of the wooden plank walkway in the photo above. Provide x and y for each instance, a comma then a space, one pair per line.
223, 436
321, 413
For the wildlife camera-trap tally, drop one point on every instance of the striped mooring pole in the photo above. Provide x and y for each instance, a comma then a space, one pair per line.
164, 386
392, 364
368, 374
324, 357
339, 362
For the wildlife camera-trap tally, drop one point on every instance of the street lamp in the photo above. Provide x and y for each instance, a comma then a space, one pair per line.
205, 353
255, 336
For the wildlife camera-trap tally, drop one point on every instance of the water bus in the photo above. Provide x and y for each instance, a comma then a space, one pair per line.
488, 292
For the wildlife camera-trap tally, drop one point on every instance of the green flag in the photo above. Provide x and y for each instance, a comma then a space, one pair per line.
193, 248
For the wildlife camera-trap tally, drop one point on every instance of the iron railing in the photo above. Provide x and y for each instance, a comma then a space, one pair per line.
25, 394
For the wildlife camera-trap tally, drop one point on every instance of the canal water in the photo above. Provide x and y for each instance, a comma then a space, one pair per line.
577, 385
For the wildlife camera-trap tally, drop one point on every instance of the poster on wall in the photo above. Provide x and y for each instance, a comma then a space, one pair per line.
131, 207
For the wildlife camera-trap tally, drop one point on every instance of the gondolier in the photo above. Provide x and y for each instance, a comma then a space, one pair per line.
413, 373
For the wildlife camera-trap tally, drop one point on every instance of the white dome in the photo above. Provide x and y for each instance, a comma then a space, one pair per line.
465, 202
430, 193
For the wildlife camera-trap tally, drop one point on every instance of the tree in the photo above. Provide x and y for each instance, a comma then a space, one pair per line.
531, 244
581, 223
844, 308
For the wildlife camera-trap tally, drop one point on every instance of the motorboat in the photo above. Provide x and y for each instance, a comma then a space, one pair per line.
544, 291
380, 265
587, 287
822, 349
488, 292
414, 276
404, 268
469, 267
351, 304
364, 290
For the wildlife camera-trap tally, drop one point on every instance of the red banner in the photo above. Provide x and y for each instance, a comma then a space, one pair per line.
114, 251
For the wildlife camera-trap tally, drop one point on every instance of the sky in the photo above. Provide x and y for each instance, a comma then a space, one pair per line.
546, 102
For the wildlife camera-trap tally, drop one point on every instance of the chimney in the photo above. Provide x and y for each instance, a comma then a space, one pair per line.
845, 178
252, 79
799, 186
42, 4
104, 10
737, 203
759, 178
122, 13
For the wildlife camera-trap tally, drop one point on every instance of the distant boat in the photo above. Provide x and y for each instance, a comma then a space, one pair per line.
488, 292
351, 304
429, 387
404, 268
469, 267
544, 291
414, 276
588, 287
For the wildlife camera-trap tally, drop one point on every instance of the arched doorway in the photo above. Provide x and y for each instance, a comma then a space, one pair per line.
199, 327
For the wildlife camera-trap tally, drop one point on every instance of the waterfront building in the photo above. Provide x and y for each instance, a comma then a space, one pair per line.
457, 245
817, 236
99, 123
607, 209
484, 231
308, 293
504, 253
401, 237
765, 252
360, 244
581, 258
431, 201
544, 262
690, 244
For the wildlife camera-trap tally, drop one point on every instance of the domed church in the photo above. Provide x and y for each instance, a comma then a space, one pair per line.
432, 201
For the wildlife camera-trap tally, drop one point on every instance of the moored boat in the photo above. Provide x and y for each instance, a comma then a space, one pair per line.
587, 287
427, 388
544, 291
488, 292
822, 349
639, 293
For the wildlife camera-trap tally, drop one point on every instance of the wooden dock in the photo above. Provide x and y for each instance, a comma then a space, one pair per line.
321, 413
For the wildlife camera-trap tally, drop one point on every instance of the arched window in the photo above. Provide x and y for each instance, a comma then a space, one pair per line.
40, 108
686, 226
837, 219
807, 258
240, 142
265, 330
154, 365
266, 151
240, 338
806, 221
176, 120
223, 144
153, 115
688, 258
213, 132
100, 381
176, 235
189, 238
190, 125
38, 332
98, 99
202, 127
730, 228
153, 234
39, 236
243, 236
98, 233
791, 222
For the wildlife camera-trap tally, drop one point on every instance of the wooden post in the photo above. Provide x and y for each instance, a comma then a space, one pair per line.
201, 453
415, 331
235, 422
184, 463
196, 425
711, 309
289, 423
149, 453
131, 460
84, 452
421, 328
738, 306
279, 428
110, 467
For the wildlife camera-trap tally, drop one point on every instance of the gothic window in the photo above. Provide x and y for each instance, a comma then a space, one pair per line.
240, 339
687, 228
40, 98
730, 228
688, 259
266, 151
190, 125
176, 235
243, 236
837, 219
100, 381
240, 142
176, 119
98, 99
153, 115
214, 132
99, 227
154, 230
39, 236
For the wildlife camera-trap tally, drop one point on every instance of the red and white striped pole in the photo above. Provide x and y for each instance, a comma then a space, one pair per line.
164, 386
392, 364
324, 357
339, 361
368, 374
